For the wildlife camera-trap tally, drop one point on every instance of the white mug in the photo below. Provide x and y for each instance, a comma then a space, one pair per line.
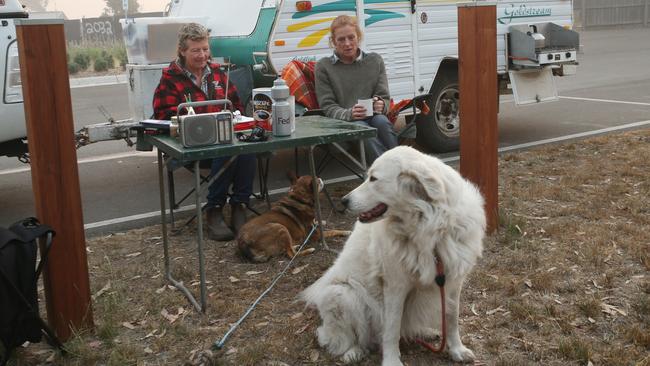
367, 104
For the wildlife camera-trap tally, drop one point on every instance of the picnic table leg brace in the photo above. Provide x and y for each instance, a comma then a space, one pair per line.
361, 163
312, 168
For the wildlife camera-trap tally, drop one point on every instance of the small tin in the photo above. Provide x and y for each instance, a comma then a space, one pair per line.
173, 127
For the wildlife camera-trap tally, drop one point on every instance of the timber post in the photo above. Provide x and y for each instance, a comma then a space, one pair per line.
55, 178
479, 98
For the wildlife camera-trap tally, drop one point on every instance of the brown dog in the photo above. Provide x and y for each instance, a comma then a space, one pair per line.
285, 226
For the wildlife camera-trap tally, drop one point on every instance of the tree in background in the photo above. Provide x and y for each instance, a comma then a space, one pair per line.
36, 5
114, 8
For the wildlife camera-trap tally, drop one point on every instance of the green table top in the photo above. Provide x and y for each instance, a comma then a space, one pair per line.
310, 131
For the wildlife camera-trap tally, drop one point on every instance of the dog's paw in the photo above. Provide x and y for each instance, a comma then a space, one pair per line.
322, 336
354, 354
461, 354
304, 251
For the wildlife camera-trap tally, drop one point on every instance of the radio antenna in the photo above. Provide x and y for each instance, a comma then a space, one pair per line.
227, 77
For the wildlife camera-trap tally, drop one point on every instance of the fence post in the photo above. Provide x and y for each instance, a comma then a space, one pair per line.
584, 13
645, 12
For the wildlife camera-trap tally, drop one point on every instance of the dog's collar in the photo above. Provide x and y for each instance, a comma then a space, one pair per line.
297, 198
288, 212
292, 211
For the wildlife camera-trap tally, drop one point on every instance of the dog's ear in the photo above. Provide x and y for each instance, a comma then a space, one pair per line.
291, 175
423, 187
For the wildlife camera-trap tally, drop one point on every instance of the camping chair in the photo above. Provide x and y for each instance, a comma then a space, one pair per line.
299, 76
20, 316
173, 165
331, 153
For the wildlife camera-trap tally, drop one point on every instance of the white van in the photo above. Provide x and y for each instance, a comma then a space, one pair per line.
12, 125
418, 40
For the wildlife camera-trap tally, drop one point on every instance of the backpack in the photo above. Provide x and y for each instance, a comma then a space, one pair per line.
19, 315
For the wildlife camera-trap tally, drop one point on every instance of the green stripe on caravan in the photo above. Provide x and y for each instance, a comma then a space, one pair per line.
341, 5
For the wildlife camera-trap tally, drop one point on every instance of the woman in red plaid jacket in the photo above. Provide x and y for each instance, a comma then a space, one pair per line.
193, 78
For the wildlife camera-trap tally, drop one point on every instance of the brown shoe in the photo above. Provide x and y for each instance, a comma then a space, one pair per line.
217, 228
238, 216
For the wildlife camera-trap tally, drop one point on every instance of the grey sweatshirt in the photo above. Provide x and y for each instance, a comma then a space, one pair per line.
339, 85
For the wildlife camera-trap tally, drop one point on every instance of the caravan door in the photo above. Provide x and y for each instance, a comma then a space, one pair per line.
437, 35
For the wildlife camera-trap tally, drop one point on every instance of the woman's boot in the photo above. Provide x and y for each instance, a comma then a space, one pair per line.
238, 216
217, 228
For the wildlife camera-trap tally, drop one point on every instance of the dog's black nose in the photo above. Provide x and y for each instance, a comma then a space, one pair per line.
345, 201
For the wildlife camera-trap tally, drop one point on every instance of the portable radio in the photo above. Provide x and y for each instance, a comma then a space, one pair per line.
206, 129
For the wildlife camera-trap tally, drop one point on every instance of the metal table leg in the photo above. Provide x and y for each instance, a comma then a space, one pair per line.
362, 152
199, 237
163, 216
312, 168
172, 197
168, 270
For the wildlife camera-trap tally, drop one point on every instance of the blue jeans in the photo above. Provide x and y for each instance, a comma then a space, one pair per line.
240, 174
386, 137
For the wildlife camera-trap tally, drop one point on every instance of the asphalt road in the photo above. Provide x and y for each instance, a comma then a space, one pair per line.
119, 187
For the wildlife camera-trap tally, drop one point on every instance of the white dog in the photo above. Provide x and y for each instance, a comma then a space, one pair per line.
415, 210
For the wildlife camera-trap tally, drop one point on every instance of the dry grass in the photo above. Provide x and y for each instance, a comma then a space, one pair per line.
563, 282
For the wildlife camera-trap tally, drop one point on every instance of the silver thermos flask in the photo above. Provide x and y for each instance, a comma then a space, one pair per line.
281, 114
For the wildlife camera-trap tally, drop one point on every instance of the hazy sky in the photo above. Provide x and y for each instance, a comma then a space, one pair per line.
75, 9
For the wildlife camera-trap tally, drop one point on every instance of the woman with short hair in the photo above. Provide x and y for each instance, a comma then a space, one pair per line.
351, 74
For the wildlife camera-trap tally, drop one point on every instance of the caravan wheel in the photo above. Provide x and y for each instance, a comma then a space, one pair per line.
439, 131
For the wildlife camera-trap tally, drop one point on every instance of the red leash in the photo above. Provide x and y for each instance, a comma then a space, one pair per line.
440, 281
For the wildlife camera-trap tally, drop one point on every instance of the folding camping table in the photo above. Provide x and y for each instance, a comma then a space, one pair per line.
310, 132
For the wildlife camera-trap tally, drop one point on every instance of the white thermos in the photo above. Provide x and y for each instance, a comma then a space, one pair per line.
282, 115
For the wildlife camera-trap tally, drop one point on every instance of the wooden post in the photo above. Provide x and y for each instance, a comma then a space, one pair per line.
477, 50
55, 179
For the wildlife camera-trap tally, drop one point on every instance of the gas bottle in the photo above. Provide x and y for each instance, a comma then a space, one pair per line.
283, 118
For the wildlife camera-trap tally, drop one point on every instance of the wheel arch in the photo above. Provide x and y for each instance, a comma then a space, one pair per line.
430, 135
448, 64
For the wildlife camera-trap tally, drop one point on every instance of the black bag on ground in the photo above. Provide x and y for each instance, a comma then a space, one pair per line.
19, 315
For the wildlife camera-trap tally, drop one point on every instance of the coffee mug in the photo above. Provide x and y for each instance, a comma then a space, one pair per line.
367, 104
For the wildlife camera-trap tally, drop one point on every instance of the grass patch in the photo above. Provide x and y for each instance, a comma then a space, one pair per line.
590, 307
639, 335
512, 360
574, 349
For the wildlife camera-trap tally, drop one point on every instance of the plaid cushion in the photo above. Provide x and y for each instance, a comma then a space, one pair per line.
299, 77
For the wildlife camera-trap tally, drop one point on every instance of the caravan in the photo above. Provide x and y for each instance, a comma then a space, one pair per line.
418, 40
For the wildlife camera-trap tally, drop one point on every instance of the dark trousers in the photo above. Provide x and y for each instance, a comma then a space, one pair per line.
240, 174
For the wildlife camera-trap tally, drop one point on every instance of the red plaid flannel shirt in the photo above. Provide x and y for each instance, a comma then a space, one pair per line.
174, 86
